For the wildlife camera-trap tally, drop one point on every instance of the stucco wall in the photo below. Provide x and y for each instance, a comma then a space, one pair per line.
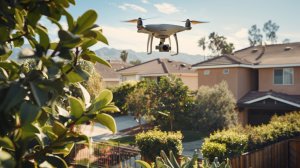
190, 80
266, 82
239, 80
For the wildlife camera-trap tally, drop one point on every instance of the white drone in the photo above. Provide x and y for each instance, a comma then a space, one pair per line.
162, 31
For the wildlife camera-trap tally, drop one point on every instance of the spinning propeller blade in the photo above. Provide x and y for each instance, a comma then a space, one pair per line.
196, 22
135, 20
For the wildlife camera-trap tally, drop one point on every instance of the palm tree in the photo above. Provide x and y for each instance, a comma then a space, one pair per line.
124, 55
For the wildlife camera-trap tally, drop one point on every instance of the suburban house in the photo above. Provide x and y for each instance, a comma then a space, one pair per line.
265, 80
156, 68
110, 76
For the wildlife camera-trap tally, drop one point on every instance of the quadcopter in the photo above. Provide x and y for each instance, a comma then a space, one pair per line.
162, 32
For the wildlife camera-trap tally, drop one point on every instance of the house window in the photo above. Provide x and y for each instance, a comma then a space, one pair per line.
225, 71
206, 72
284, 76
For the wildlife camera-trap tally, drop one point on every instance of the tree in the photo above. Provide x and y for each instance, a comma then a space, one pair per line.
136, 62
216, 44
214, 108
124, 55
35, 131
270, 28
254, 36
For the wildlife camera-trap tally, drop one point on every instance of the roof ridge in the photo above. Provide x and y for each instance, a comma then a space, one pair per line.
165, 67
138, 64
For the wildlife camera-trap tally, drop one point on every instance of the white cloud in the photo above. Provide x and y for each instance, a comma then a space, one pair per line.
134, 7
242, 33
145, 1
166, 8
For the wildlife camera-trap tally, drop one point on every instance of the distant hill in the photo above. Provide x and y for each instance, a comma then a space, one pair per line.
114, 54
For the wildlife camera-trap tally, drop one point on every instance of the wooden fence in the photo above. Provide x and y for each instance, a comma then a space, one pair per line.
285, 154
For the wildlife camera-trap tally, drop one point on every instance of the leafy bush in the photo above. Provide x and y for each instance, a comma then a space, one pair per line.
216, 164
238, 139
121, 92
214, 108
210, 150
152, 142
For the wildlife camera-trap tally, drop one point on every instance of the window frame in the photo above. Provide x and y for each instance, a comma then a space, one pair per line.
283, 83
227, 71
206, 72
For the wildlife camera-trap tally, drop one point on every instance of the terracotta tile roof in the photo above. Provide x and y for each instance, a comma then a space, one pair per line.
223, 60
158, 66
107, 72
256, 95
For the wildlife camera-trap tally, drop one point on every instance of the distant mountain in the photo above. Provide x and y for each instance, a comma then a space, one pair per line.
114, 54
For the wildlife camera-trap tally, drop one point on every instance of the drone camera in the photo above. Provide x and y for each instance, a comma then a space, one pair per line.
163, 47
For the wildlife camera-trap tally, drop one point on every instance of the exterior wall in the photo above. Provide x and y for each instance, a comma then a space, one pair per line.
189, 79
109, 84
239, 80
129, 78
266, 82
247, 81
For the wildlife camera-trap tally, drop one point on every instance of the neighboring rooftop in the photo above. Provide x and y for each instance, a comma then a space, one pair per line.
107, 72
275, 54
158, 66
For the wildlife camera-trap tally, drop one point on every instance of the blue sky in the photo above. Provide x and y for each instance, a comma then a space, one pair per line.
231, 18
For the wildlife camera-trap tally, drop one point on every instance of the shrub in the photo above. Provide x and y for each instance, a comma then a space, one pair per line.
210, 150
152, 142
238, 139
214, 108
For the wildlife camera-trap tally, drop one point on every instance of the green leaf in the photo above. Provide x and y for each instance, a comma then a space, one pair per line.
68, 39
40, 94
29, 131
70, 20
29, 113
86, 21
143, 164
19, 18
72, 2
77, 107
61, 111
53, 46
5, 56
55, 22
58, 128
54, 161
44, 39
107, 121
173, 160
76, 74
64, 150
4, 33
110, 108
91, 56
33, 17
105, 97
14, 97
6, 160
86, 95
6, 143
88, 43
3, 74
101, 37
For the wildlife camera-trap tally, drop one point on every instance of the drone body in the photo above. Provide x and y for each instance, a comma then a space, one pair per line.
162, 31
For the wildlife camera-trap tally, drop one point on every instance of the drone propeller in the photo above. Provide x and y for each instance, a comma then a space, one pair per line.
196, 22
135, 20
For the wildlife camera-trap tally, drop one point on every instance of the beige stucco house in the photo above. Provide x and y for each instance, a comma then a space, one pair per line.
265, 80
110, 76
156, 68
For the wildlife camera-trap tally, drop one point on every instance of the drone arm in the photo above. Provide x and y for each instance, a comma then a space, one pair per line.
177, 49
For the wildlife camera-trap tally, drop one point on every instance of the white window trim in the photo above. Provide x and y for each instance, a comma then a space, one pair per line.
227, 70
283, 84
206, 72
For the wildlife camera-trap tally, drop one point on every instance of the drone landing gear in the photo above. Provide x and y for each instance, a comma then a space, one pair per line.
150, 41
176, 40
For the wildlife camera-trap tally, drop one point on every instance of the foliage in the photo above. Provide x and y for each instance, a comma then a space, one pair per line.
216, 44
124, 55
163, 161
238, 140
235, 143
152, 142
255, 37
34, 130
165, 103
120, 94
136, 62
270, 28
215, 108
216, 164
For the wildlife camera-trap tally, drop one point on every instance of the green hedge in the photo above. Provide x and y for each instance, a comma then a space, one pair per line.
238, 140
152, 142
